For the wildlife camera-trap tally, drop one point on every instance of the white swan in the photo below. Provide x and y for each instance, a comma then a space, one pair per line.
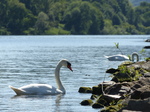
45, 89
118, 57
121, 57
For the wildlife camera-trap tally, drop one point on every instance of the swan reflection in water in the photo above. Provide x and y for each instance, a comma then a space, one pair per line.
54, 101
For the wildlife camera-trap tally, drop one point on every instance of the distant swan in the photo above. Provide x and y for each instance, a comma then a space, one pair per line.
121, 57
118, 57
135, 55
45, 89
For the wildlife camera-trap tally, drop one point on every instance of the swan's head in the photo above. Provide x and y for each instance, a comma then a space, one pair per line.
66, 63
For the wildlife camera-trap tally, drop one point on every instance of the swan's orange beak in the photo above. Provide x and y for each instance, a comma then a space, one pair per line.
70, 68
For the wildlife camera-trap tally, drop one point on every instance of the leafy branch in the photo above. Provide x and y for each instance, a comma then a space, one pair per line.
117, 46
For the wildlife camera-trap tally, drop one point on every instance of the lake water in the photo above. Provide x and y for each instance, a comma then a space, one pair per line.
32, 59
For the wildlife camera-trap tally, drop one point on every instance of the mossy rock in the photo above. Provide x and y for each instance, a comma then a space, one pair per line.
127, 63
108, 110
147, 59
93, 97
86, 102
112, 108
136, 95
85, 90
106, 84
111, 70
128, 74
108, 100
114, 79
122, 77
102, 101
137, 75
97, 90
97, 105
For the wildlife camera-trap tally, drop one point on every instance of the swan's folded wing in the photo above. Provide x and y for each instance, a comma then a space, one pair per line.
17, 91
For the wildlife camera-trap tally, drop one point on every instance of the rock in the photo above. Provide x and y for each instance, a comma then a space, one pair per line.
102, 101
97, 105
114, 79
136, 95
141, 93
111, 70
129, 89
131, 72
106, 99
112, 108
139, 105
135, 85
148, 40
147, 74
145, 94
86, 102
104, 85
121, 77
147, 47
97, 90
147, 59
128, 111
120, 89
93, 97
113, 89
107, 83
140, 89
85, 90
124, 90
142, 65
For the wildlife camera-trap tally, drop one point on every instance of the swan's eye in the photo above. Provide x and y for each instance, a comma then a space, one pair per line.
68, 64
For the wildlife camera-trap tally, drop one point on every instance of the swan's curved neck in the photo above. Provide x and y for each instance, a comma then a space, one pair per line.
135, 55
57, 77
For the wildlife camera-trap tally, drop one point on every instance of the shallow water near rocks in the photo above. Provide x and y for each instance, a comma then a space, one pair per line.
32, 59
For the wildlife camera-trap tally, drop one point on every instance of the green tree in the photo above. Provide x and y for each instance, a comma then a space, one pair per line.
19, 17
125, 6
146, 19
116, 20
16, 13
36, 6
3, 17
131, 16
82, 17
15, 17
42, 23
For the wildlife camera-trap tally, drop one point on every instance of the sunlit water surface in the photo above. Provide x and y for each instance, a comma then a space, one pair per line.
32, 59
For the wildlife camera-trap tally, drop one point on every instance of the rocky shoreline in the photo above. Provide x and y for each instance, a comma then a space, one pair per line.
129, 89
147, 47
148, 40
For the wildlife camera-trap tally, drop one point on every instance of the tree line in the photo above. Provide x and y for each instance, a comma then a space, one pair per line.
137, 2
77, 17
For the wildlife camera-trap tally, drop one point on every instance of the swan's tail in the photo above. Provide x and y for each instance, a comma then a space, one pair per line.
17, 91
106, 56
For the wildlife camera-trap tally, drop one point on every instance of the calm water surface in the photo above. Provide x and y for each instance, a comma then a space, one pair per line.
32, 59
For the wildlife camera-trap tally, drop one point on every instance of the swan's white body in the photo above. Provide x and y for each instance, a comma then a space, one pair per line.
121, 57
44, 89
37, 89
118, 57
